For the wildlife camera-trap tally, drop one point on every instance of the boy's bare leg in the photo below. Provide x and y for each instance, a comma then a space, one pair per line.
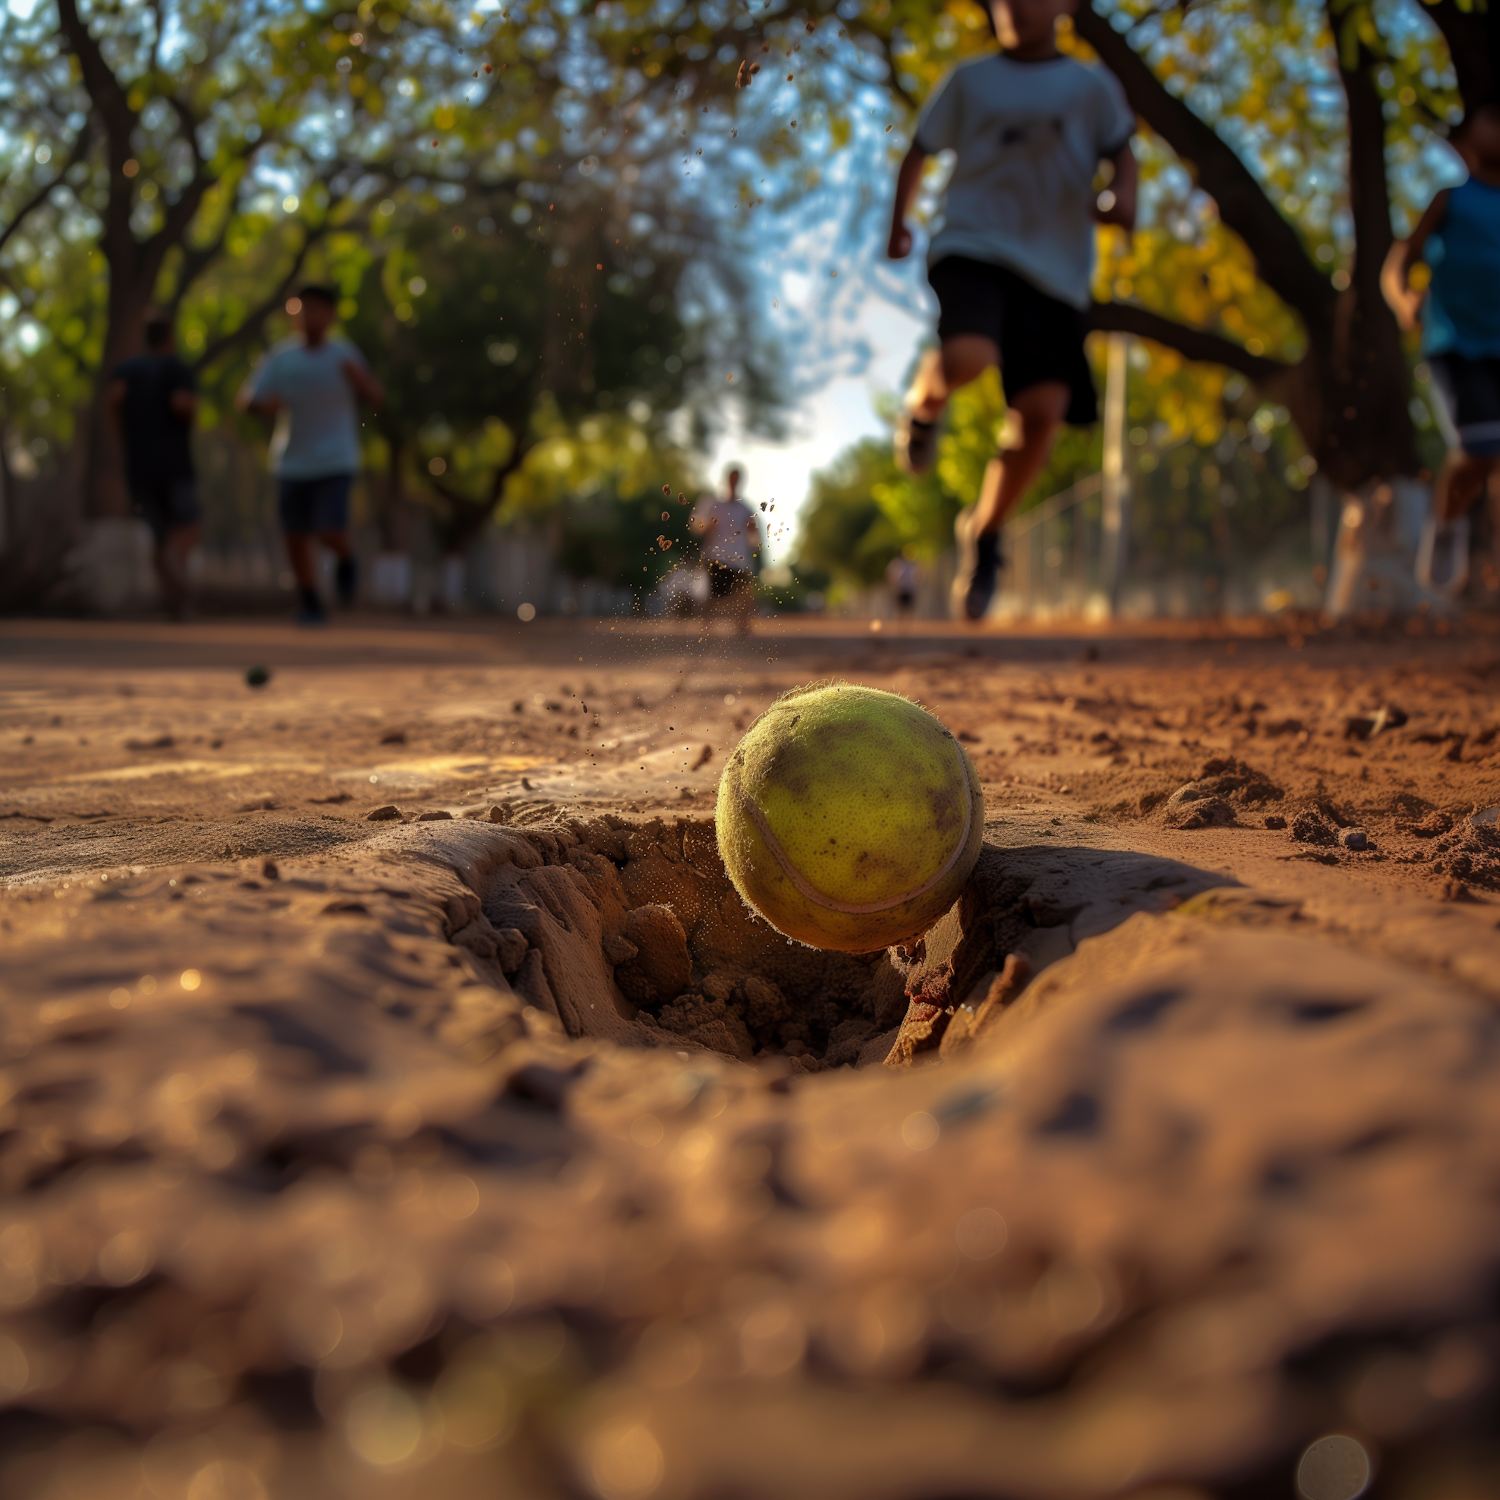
742, 605
943, 371
1459, 483
171, 559
940, 372
342, 548
1443, 553
1041, 408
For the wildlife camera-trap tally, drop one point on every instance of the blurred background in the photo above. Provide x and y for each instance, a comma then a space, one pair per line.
591, 270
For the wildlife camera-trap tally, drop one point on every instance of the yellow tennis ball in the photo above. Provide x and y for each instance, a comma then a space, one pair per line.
849, 818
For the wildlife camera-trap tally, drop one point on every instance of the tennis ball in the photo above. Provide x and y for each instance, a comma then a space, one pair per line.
849, 818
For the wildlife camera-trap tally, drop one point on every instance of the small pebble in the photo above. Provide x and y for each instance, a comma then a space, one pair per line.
1355, 838
435, 815
1275, 820
387, 814
257, 677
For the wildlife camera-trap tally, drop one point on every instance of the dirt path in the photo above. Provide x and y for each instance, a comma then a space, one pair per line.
363, 1157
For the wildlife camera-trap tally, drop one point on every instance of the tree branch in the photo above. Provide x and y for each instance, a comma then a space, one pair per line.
256, 319
1369, 195
1473, 46
195, 263
119, 122
1280, 258
895, 70
80, 149
1192, 343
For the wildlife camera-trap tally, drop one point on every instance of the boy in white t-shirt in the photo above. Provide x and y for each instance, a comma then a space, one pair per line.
310, 385
729, 539
1012, 259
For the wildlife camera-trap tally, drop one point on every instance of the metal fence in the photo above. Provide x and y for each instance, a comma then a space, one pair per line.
1056, 557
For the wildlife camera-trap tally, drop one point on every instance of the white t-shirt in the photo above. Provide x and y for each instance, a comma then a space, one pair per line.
317, 434
1029, 137
729, 541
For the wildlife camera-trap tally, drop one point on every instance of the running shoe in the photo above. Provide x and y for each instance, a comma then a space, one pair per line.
310, 611
979, 564
1443, 556
916, 444
345, 577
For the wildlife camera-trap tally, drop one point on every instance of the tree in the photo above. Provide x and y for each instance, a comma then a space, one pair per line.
200, 155
491, 355
1260, 101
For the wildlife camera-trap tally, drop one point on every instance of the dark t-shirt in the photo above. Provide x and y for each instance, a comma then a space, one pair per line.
157, 449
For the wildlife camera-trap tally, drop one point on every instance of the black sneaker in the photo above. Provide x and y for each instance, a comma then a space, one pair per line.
979, 564
916, 444
344, 578
310, 609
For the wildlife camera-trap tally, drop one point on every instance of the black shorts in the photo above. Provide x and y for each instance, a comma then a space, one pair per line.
1470, 389
724, 581
1040, 338
313, 505
165, 504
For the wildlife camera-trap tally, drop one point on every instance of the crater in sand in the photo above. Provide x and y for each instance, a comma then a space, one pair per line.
631, 930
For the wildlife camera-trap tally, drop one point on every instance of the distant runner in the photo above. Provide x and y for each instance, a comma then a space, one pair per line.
1459, 236
730, 540
315, 381
151, 398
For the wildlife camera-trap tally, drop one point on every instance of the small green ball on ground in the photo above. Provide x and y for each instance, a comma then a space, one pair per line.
849, 818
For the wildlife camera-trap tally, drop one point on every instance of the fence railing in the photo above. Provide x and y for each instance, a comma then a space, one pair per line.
1055, 556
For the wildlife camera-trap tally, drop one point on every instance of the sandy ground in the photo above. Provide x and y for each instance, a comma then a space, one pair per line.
426, 1154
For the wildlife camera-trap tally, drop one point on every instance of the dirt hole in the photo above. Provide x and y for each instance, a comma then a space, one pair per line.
630, 929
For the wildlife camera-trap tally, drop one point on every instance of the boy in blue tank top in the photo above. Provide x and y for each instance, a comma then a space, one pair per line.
1459, 238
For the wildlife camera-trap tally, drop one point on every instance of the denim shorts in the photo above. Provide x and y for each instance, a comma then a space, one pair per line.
1470, 389
165, 505
1039, 338
314, 504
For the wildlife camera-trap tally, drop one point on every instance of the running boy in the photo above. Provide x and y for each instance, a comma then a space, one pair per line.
310, 385
153, 402
1459, 236
1012, 260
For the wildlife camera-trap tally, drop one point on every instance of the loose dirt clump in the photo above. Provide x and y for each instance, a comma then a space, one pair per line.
1469, 854
1223, 788
1313, 826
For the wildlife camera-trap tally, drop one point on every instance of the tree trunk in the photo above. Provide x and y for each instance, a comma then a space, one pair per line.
1350, 393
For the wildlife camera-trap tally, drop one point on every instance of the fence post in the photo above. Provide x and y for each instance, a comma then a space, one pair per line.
1116, 488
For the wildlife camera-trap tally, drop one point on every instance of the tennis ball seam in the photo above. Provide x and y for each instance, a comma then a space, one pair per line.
867, 908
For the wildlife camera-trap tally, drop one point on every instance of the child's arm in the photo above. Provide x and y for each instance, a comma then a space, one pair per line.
1396, 272
1116, 204
907, 181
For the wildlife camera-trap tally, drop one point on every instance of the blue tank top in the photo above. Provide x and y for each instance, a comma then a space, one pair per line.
1463, 304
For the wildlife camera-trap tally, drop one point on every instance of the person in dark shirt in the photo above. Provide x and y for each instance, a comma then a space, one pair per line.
153, 402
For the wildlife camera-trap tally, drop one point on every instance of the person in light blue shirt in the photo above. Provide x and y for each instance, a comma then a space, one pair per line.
1459, 238
1011, 261
310, 386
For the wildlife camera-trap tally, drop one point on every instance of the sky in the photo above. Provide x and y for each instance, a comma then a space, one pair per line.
839, 412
